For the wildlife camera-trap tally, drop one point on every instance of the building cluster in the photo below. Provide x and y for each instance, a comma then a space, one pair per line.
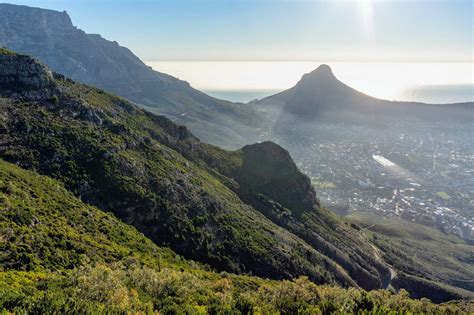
419, 178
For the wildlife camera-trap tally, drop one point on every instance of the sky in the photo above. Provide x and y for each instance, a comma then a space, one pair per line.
362, 30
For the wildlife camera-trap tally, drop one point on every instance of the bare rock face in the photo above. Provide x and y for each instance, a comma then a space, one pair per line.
51, 37
22, 77
269, 169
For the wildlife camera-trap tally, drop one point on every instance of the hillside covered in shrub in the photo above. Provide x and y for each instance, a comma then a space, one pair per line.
249, 212
60, 255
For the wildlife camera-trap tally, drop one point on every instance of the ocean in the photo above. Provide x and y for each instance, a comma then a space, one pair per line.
242, 96
243, 81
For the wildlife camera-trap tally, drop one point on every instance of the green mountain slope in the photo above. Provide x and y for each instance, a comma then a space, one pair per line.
43, 227
125, 160
59, 255
247, 211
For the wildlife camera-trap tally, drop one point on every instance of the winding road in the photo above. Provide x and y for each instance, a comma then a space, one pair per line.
387, 281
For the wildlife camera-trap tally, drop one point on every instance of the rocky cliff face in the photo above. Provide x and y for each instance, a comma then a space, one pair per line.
88, 58
22, 77
50, 36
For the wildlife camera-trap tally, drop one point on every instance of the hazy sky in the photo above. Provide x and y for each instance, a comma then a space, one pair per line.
362, 30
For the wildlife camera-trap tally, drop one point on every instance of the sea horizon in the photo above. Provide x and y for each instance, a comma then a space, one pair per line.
244, 81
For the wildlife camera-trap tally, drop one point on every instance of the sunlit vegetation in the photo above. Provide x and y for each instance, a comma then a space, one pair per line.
60, 255
7, 52
443, 195
321, 184
114, 288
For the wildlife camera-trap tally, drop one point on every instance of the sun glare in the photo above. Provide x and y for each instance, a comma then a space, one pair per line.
366, 9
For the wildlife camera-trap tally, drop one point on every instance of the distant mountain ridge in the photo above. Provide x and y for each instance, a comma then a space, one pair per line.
88, 58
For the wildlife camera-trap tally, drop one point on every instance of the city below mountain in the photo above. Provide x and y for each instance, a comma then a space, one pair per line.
323, 122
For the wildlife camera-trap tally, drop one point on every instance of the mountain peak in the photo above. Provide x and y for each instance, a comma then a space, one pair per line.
323, 69
320, 91
321, 72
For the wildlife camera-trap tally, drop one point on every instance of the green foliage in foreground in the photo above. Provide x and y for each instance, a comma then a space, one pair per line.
139, 289
59, 255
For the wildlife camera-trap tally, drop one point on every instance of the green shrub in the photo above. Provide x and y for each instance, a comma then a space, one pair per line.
245, 304
54, 100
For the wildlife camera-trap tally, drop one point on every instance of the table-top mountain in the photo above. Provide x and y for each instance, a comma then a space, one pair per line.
88, 58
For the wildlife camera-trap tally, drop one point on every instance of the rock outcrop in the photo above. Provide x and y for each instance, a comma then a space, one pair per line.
269, 169
22, 77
